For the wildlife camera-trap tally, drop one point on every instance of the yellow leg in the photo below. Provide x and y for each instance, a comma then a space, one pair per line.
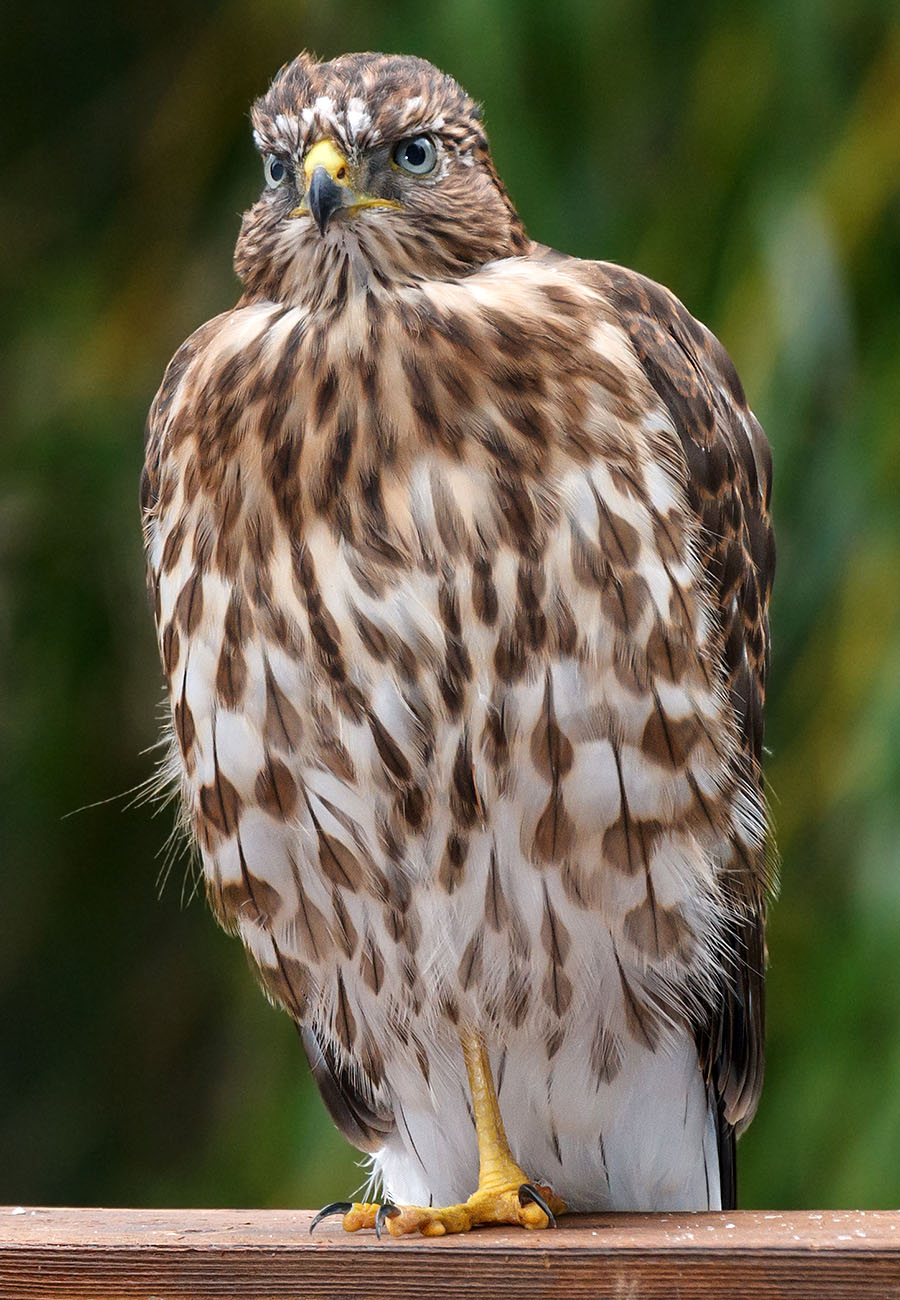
504, 1193
496, 1167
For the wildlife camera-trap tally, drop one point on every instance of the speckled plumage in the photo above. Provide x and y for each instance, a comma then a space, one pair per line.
460, 557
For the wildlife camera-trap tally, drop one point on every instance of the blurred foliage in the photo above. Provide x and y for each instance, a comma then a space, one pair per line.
748, 156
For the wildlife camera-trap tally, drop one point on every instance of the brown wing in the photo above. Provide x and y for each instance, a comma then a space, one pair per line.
349, 1098
356, 1114
729, 471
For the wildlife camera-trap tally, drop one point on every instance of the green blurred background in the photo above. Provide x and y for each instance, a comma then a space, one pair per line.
748, 156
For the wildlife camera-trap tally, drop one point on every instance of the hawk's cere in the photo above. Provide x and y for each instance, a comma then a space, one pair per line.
460, 557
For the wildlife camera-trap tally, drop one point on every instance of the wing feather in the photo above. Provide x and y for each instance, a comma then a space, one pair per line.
348, 1102
728, 485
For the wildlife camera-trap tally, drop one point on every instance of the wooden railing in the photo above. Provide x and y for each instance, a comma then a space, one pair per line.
260, 1255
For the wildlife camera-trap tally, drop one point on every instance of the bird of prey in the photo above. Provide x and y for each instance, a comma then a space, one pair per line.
460, 556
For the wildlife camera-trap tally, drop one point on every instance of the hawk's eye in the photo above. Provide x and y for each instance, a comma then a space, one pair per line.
417, 155
276, 172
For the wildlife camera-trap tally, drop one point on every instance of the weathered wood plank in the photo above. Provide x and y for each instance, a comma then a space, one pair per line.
89, 1254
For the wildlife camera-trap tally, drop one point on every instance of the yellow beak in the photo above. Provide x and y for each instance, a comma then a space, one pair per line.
326, 173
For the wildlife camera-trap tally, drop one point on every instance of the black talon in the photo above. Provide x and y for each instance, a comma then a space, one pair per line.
528, 1192
336, 1207
385, 1211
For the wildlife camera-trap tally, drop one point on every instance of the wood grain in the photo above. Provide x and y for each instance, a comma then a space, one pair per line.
91, 1254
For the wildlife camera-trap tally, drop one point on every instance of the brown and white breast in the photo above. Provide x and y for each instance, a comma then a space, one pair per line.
497, 784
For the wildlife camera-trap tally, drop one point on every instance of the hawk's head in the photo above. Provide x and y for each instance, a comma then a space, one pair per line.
374, 163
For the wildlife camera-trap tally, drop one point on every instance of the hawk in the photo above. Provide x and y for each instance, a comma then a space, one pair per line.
460, 556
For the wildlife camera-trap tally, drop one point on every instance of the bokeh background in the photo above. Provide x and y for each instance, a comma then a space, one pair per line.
748, 156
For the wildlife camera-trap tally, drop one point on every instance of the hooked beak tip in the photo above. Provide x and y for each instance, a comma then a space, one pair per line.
323, 197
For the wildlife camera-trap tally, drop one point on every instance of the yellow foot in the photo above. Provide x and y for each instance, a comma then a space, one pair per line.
528, 1204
